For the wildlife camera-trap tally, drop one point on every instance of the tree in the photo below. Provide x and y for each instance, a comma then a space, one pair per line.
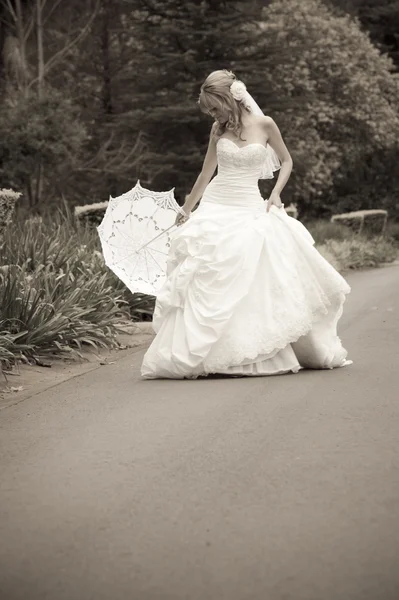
174, 45
91, 77
314, 71
380, 19
37, 133
129, 73
344, 93
30, 103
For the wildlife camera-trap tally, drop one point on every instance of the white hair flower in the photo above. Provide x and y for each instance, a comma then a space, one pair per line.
238, 90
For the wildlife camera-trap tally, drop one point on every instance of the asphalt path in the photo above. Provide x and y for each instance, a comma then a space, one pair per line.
270, 488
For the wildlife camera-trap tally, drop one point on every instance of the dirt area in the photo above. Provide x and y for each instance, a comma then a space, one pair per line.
25, 381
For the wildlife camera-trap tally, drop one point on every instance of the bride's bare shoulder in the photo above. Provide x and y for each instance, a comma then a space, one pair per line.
266, 121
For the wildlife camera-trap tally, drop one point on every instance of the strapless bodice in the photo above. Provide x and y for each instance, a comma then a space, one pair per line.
245, 161
239, 170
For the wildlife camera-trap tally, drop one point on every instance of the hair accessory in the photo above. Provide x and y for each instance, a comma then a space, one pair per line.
238, 90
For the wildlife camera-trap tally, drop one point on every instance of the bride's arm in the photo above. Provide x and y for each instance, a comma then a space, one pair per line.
275, 140
207, 171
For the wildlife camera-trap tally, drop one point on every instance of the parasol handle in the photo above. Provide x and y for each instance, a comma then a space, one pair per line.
156, 237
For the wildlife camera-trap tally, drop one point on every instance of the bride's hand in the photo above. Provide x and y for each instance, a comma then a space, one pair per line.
180, 219
275, 200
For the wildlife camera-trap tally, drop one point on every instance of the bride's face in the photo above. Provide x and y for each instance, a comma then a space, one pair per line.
218, 115
215, 105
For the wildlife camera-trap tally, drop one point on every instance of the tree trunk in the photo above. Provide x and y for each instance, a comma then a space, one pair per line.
40, 53
20, 30
39, 183
29, 193
107, 90
2, 39
40, 89
19, 68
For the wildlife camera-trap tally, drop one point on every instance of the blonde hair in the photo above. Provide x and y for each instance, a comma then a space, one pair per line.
216, 95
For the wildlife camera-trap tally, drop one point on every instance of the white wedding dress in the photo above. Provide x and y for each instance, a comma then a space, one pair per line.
246, 293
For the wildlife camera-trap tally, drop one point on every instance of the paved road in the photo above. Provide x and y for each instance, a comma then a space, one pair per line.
278, 488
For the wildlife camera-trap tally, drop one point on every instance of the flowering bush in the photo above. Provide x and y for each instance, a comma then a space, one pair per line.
8, 199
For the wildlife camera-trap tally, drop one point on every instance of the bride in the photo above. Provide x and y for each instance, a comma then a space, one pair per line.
247, 293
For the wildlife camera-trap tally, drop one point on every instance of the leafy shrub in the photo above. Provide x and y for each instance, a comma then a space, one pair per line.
56, 293
8, 199
359, 252
346, 249
335, 98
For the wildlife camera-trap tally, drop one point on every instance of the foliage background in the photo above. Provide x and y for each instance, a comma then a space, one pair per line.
98, 93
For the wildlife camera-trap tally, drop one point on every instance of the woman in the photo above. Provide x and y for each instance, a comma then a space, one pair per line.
246, 293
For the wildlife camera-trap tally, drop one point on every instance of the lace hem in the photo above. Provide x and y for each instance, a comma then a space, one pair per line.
228, 354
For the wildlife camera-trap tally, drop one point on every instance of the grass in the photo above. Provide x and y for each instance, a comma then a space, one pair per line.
323, 230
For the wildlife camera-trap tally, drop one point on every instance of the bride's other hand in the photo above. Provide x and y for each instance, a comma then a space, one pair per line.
275, 200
